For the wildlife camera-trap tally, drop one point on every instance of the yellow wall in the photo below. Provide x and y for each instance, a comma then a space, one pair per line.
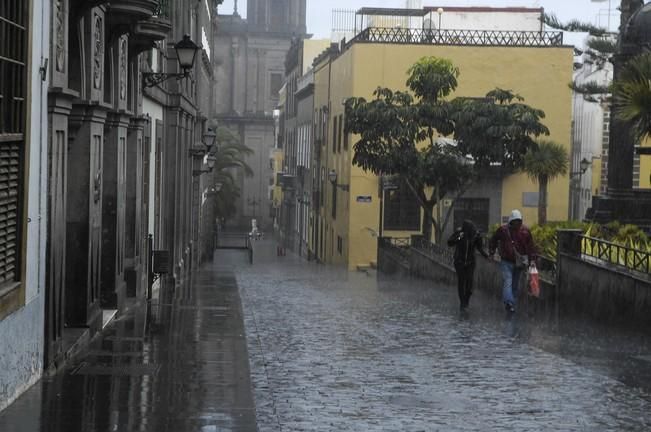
278, 157
540, 75
311, 49
645, 168
597, 166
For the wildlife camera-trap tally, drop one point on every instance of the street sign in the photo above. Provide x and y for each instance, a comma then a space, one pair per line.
364, 199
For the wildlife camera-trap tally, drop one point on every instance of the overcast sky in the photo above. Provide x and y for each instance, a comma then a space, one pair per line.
319, 11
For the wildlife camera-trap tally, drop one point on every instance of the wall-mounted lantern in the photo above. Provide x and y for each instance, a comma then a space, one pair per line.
186, 53
332, 176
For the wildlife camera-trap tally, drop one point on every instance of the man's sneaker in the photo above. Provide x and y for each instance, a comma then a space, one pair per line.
509, 307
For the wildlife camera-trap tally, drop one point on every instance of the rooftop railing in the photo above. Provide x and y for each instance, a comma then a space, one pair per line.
396, 35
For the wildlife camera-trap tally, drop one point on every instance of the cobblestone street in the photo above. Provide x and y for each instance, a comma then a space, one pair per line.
336, 351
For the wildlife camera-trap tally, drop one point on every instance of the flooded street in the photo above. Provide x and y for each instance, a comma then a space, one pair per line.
332, 350
287, 345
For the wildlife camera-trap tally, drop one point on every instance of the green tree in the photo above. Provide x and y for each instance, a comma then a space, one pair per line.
398, 135
497, 129
632, 96
399, 130
542, 163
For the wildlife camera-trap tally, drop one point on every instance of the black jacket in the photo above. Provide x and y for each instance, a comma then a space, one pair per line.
465, 245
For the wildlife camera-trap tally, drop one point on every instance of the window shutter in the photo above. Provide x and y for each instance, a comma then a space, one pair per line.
13, 79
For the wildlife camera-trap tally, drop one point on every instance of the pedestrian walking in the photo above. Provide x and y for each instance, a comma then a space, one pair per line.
466, 240
515, 245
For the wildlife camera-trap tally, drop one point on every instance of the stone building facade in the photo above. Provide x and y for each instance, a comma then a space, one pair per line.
250, 70
100, 168
24, 28
112, 186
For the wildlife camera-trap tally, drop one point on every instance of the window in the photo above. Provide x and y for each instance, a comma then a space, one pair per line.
401, 210
279, 10
345, 138
340, 245
334, 201
13, 88
275, 83
334, 135
530, 199
474, 209
340, 132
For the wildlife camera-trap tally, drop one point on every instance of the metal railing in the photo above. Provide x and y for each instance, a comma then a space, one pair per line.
615, 254
397, 35
163, 10
439, 252
400, 242
398, 248
547, 269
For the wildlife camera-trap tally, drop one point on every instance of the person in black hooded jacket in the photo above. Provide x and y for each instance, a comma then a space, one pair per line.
465, 240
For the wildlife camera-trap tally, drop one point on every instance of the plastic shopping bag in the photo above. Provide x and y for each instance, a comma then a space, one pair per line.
534, 281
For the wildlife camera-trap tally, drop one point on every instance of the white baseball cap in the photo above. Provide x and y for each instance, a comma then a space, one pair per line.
515, 214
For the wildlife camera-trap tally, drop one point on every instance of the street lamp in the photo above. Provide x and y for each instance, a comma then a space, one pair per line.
332, 176
584, 165
209, 141
575, 186
210, 161
440, 12
186, 52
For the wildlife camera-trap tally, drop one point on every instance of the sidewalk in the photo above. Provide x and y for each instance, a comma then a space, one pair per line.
177, 366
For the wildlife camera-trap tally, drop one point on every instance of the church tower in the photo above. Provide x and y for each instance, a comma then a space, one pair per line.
277, 16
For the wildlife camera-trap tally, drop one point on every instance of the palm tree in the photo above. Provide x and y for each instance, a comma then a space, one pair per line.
632, 92
230, 156
546, 161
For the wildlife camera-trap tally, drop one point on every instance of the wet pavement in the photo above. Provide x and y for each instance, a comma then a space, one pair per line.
338, 351
331, 350
179, 365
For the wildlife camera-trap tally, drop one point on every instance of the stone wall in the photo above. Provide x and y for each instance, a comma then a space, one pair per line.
599, 290
592, 289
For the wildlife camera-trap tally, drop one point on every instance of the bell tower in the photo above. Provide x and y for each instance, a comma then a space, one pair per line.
277, 16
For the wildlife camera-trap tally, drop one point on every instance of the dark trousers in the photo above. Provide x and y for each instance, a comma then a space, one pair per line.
465, 276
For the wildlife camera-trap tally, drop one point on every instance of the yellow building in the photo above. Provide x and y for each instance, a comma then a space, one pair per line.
644, 170
346, 221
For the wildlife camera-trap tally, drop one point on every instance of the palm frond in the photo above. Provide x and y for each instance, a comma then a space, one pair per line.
632, 96
572, 26
590, 88
546, 159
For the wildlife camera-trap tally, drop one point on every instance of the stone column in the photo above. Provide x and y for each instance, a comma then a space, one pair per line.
60, 107
134, 214
84, 215
114, 211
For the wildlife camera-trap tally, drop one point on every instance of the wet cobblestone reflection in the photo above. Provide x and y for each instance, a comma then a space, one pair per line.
338, 351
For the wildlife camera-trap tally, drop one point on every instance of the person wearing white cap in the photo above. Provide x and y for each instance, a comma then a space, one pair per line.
517, 250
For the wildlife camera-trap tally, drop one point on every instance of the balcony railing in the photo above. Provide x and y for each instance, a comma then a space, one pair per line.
163, 10
396, 35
